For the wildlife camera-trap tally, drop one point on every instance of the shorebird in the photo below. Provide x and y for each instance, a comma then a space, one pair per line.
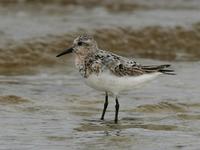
108, 72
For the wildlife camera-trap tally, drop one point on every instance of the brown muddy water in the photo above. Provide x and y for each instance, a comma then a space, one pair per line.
44, 104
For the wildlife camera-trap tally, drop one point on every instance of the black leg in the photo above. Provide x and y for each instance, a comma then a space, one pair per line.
105, 106
116, 110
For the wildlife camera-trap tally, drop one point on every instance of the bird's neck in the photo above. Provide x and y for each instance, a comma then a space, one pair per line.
80, 58
81, 62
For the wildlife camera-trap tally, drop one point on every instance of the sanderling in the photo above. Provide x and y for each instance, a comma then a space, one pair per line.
108, 72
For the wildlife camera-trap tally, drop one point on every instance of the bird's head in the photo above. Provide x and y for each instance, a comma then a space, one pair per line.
82, 45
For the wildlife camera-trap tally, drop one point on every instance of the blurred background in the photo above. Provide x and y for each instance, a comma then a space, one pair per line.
45, 105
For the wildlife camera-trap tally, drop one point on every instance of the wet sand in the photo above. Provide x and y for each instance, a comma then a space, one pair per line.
44, 104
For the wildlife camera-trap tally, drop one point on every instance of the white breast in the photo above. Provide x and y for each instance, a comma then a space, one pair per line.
114, 84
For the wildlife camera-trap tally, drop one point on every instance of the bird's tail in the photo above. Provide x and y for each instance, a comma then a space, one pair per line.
162, 68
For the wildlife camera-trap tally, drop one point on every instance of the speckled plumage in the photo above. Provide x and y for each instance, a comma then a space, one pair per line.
108, 72
98, 61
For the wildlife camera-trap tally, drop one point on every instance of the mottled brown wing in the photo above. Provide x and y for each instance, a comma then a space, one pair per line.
121, 66
124, 70
131, 69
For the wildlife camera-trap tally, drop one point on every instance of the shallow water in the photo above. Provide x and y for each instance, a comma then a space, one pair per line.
57, 111
44, 104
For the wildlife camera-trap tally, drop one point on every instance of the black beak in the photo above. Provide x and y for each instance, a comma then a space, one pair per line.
66, 51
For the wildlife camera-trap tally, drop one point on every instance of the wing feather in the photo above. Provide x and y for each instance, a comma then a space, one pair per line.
121, 66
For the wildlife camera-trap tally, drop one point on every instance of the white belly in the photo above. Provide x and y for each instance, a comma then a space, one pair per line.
110, 83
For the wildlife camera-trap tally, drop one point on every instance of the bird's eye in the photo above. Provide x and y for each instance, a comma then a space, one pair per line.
80, 43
